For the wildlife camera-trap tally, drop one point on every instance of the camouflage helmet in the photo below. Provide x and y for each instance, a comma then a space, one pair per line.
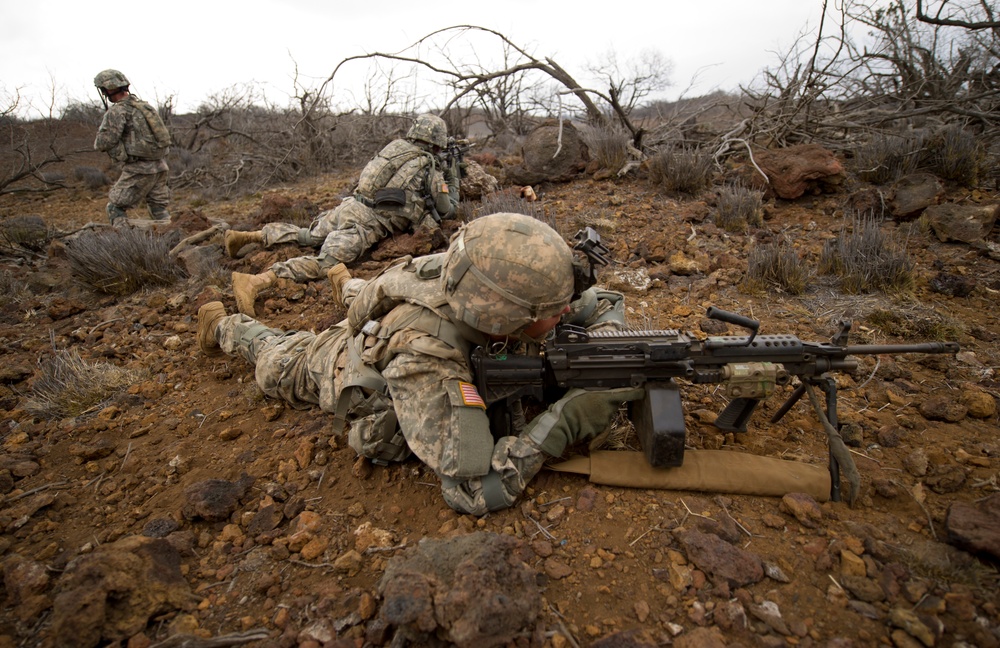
431, 129
110, 80
504, 271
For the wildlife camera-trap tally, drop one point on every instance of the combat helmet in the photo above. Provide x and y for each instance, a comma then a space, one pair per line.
431, 129
505, 271
110, 80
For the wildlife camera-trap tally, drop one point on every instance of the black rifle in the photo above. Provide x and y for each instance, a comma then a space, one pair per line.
456, 149
748, 366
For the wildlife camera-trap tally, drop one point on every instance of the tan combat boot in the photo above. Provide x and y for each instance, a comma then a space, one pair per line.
236, 240
246, 287
208, 317
338, 276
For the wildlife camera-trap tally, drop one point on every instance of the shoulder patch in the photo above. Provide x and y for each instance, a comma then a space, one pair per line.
470, 397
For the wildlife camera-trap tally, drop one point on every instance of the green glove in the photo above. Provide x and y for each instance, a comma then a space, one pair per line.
580, 415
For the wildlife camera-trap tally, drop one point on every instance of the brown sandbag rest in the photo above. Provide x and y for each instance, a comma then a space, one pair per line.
717, 471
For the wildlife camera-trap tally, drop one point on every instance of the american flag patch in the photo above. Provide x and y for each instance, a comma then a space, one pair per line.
470, 397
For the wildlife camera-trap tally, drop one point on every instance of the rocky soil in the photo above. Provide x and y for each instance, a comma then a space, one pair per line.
188, 510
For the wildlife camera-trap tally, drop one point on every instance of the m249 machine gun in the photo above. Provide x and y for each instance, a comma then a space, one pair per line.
749, 367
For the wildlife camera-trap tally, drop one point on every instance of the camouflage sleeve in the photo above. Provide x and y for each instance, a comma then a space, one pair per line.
444, 422
112, 129
445, 193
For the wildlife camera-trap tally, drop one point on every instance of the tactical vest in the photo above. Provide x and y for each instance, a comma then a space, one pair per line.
147, 137
364, 393
401, 166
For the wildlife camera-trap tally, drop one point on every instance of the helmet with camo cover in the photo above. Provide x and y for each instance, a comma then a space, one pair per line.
431, 129
110, 80
504, 271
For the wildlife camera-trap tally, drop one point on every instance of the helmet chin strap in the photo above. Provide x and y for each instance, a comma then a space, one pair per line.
104, 98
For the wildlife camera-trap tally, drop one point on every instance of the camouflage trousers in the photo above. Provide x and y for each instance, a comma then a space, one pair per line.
132, 187
342, 234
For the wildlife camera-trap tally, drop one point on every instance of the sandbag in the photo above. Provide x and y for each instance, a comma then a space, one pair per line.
716, 471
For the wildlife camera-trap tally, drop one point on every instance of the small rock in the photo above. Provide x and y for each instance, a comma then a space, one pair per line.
803, 508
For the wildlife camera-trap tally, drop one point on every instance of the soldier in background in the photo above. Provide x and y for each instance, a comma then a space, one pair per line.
133, 134
398, 368
404, 187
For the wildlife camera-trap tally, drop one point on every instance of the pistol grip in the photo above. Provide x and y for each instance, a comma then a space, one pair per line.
734, 418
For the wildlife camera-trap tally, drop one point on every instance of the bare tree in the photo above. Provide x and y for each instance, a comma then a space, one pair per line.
472, 78
32, 146
905, 72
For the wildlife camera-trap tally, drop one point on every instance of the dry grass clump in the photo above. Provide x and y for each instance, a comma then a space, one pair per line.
279, 208
510, 201
955, 154
884, 158
69, 386
120, 262
739, 208
681, 169
775, 266
608, 146
90, 177
12, 290
19, 233
908, 325
866, 259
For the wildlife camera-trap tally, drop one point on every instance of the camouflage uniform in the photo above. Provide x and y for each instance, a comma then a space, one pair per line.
125, 135
421, 351
358, 223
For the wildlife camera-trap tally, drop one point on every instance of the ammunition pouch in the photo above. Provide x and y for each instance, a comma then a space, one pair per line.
390, 197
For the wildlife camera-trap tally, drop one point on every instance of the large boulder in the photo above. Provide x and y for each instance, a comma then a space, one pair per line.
964, 223
472, 591
111, 594
914, 193
476, 182
794, 170
553, 152
975, 527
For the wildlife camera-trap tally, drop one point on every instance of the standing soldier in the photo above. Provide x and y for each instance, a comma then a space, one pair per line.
404, 187
133, 134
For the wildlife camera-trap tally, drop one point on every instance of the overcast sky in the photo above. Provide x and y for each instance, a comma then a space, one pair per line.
192, 49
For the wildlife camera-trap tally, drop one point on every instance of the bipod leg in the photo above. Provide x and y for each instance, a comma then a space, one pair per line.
829, 387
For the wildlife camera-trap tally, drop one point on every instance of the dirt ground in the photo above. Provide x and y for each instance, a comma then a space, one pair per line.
299, 560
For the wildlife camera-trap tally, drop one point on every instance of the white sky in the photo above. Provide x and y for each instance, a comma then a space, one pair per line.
193, 49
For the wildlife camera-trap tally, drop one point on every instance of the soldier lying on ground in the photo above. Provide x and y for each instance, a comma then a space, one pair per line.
404, 187
398, 369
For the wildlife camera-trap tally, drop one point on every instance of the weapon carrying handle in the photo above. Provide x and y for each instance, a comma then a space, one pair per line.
732, 318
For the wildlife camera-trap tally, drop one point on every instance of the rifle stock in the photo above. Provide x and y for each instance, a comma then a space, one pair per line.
749, 367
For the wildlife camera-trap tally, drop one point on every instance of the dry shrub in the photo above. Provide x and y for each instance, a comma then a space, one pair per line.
884, 158
909, 325
120, 262
12, 290
24, 233
90, 177
68, 385
775, 265
739, 208
867, 259
510, 201
608, 146
955, 154
681, 169
278, 208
